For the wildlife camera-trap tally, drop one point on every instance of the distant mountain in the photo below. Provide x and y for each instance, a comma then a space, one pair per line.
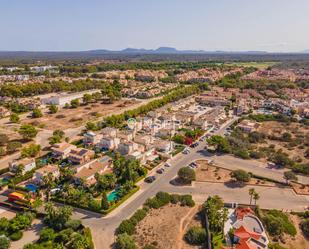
306, 51
170, 50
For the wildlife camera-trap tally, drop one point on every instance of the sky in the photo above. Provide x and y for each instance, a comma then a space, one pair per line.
229, 25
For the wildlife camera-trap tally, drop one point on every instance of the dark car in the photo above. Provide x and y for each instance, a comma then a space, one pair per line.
160, 171
194, 145
150, 179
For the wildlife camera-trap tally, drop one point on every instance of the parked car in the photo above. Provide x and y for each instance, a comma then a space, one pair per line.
150, 179
160, 171
167, 165
194, 145
186, 151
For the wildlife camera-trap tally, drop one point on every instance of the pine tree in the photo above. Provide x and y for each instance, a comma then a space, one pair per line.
104, 202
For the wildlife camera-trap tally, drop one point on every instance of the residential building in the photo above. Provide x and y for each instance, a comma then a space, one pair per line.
44, 171
27, 163
249, 232
80, 155
109, 143
143, 139
248, 126
62, 150
91, 138
86, 172
127, 147
65, 98
163, 146
109, 132
127, 135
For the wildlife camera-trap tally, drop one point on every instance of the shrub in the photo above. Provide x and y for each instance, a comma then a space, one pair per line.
126, 226
196, 236
275, 246
305, 227
47, 234
163, 198
139, 215
74, 224
125, 241
4, 242
186, 200
278, 223
175, 198
16, 236
240, 175
256, 154
149, 247
242, 154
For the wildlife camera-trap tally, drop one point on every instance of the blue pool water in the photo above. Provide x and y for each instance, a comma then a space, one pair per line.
31, 187
3, 181
113, 196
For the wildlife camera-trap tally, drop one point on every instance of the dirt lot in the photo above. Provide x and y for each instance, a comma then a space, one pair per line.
211, 173
299, 242
165, 227
298, 131
300, 189
70, 118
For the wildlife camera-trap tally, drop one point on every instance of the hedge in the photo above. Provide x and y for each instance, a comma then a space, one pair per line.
16, 236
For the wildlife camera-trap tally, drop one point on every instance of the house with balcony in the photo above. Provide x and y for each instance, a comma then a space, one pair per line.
127, 147
62, 150
108, 143
163, 146
80, 155
91, 138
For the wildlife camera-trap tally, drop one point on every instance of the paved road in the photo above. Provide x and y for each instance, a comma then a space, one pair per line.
103, 228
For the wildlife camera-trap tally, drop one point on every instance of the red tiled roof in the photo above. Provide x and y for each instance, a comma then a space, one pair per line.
243, 233
242, 212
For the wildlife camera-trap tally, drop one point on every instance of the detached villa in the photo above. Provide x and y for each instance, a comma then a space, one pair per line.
249, 232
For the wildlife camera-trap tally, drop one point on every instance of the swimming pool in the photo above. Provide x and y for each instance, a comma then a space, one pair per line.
3, 181
31, 187
113, 196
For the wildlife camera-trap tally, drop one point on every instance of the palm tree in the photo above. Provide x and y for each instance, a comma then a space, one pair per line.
256, 196
251, 193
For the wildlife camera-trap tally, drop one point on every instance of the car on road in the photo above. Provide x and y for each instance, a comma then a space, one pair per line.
160, 171
150, 179
186, 151
194, 145
193, 165
167, 165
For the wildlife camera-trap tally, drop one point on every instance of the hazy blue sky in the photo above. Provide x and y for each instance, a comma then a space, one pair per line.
272, 25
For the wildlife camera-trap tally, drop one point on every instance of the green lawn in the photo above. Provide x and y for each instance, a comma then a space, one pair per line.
218, 240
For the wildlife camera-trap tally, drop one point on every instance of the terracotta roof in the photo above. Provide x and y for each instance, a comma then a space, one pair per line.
244, 234
242, 212
48, 169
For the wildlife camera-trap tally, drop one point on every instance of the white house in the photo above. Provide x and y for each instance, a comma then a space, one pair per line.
109, 143
65, 98
92, 138
27, 163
